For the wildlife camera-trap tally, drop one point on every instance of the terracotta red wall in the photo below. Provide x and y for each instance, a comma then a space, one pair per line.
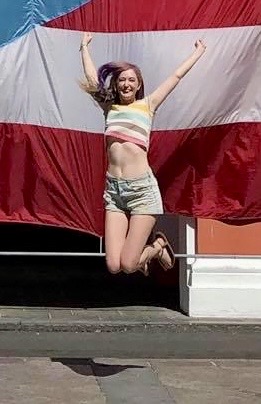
216, 237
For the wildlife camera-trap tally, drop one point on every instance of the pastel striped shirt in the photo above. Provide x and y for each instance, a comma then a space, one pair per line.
130, 122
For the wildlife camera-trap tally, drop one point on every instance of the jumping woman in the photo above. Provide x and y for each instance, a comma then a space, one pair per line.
132, 196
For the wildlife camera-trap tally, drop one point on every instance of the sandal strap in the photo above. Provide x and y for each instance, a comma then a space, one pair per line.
164, 243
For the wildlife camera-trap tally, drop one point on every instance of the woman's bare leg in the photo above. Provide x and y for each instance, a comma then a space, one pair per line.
133, 254
125, 242
116, 227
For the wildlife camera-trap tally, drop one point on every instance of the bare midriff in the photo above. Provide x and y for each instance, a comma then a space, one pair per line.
125, 159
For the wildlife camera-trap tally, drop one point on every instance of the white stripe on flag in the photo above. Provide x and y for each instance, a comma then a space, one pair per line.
39, 72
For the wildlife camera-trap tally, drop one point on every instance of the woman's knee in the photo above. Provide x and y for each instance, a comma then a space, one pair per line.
129, 264
113, 265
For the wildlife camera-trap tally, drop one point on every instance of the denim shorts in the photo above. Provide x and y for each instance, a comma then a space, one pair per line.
137, 196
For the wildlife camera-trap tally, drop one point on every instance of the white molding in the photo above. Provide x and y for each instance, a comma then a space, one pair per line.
186, 245
227, 288
226, 273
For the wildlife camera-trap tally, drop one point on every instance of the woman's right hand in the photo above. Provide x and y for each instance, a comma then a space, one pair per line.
87, 37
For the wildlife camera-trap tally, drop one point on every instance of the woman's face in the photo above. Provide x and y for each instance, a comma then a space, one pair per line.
127, 86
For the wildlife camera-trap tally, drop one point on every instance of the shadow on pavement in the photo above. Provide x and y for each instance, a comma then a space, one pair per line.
88, 367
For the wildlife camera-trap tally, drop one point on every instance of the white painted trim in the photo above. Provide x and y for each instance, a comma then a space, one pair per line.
243, 303
186, 245
227, 273
227, 288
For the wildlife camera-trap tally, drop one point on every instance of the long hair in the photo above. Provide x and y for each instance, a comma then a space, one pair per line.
107, 78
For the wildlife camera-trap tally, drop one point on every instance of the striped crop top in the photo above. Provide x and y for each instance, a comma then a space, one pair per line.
131, 123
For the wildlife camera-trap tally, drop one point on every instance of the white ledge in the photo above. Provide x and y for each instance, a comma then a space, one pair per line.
224, 288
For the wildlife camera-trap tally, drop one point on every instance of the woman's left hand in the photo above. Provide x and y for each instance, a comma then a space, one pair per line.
200, 46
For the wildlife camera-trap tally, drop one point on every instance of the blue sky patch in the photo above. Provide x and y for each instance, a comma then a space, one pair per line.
20, 16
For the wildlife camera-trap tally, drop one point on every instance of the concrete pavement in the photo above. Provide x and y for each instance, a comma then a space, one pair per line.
126, 355
125, 332
115, 381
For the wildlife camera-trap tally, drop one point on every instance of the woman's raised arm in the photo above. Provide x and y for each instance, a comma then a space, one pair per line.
164, 89
89, 69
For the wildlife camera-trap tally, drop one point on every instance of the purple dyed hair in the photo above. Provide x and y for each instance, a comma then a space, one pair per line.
108, 92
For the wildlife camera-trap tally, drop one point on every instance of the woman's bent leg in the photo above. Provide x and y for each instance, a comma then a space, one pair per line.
140, 227
116, 227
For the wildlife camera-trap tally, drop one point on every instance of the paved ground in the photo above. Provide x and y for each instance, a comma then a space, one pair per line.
115, 381
61, 356
125, 332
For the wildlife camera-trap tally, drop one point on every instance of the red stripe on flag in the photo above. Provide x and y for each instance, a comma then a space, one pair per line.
56, 176
210, 172
51, 176
155, 15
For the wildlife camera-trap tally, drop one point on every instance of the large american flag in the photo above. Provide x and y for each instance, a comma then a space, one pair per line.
206, 141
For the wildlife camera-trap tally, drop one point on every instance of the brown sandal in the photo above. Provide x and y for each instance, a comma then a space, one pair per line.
144, 270
169, 249
145, 267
